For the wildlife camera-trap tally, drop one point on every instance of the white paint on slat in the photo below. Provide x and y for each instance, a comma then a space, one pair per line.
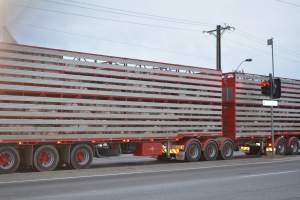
103, 93
106, 122
104, 109
83, 115
94, 102
86, 129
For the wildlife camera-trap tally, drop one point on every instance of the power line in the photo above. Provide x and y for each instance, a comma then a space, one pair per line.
108, 19
288, 3
106, 40
97, 7
260, 41
264, 51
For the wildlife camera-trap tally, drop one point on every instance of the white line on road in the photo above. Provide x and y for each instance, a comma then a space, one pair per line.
153, 171
269, 174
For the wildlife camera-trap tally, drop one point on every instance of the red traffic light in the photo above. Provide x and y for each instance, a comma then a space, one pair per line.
264, 84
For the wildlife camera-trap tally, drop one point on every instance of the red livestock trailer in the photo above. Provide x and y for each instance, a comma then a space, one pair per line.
63, 108
248, 122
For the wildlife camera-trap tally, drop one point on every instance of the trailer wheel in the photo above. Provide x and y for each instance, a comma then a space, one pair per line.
193, 151
294, 147
45, 158
281, 147
211, 151
226, 151
81, 156
9, 159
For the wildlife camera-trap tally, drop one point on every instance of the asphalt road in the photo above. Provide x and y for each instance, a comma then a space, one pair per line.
242, 179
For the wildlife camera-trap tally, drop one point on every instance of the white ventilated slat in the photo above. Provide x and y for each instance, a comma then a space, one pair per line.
250, 129
77, 75
267, 124
83, 137
106, 122
61, 53
103, 109
238, 114
267, 109
30, 114
264, 118
103, 93
97, 102
24, 129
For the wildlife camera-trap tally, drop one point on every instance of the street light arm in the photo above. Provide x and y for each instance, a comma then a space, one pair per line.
238, 67
246, 60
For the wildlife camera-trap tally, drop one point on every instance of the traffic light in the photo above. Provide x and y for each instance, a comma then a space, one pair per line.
266, 88
276, 88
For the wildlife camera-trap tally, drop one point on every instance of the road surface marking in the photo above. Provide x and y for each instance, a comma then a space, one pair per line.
269, 174
148, 172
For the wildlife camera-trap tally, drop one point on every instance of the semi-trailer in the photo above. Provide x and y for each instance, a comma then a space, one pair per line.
248, 122
61, 107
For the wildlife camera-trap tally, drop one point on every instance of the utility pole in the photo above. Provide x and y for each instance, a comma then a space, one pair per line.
218, 32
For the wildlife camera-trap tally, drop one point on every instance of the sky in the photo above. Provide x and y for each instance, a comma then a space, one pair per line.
166, 31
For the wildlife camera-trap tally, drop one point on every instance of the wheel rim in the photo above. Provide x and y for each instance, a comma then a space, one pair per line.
194, 151
46, 159
227, 150
7, 160
281, 148
82, 156
211, 150
294, 147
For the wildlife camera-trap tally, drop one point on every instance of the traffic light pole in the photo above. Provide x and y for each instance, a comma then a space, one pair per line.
270, 42
272, 120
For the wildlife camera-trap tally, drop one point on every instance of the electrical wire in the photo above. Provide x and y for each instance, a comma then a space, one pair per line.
262, 49
106, 40
109, 19
97, 7
292, 54
288, 3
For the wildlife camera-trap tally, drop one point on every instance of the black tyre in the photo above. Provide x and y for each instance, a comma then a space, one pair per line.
294, 147
226, 151
193, 152
45, 158
211, 151
281, 147
9, 159
81, 156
